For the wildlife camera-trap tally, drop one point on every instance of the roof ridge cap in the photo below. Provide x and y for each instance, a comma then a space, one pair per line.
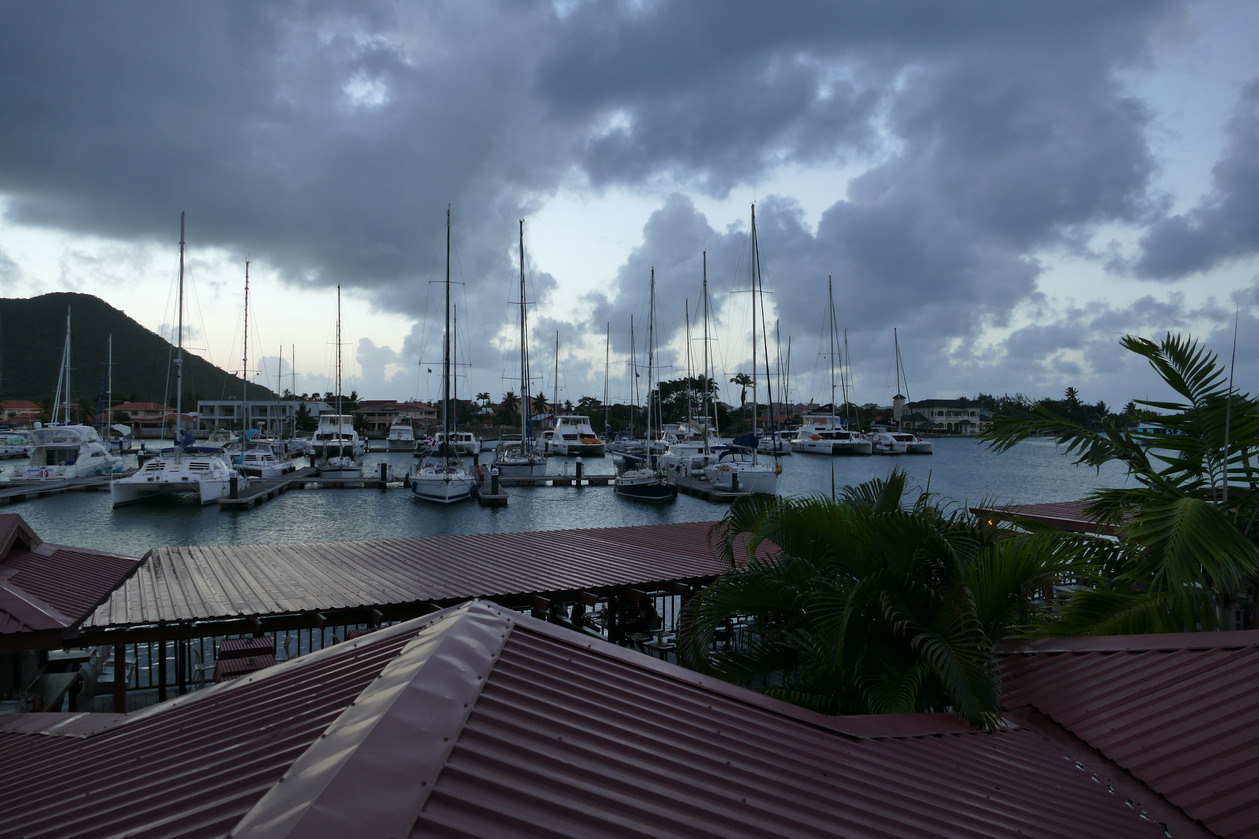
425, 695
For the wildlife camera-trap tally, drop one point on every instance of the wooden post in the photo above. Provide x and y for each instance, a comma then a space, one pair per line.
161, 670
120, 679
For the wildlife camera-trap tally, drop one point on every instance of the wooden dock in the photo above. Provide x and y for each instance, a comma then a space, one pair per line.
703, 489
11, 492
258, 491
559, 481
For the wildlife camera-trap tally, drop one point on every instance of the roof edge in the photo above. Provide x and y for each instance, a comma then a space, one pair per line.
423, 696
1205, 640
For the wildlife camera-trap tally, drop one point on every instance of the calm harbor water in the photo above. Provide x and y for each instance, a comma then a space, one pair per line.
961, 470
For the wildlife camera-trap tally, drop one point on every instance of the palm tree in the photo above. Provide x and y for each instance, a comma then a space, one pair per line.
511, 404
868, 604
540, 405
1189, 527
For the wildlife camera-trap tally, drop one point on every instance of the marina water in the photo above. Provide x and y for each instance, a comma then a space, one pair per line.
961, 471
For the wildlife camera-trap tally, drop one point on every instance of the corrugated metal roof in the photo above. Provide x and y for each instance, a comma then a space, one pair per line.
224, 581
1179, 711
478, 721
50, 587
1065, 515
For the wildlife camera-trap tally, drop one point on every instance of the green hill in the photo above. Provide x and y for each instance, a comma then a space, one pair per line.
33, 334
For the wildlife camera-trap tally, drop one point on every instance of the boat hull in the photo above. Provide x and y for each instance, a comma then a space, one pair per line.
644, 485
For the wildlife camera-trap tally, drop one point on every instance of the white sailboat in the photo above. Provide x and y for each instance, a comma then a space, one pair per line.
643, 479
741, 467
522, 459
182, 471
691, 445
441, 476
337, 446
828, 433
255, 454
64, 451
898, 440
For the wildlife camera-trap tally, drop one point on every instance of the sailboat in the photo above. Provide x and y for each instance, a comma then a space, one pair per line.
182, 471
646, 481
691, 445
898, 440
337, 446
523, 459
828, 433
64, 450
260, 456
441, 476
741, 467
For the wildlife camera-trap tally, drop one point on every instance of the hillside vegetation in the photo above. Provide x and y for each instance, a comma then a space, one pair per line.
33, 333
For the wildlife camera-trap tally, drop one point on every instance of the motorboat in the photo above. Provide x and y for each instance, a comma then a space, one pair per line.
899, 442
826, 434
64, 452
461, 443
264, 458
738, 469
15, 443
401, 436
335, 438
575, 436
776, 443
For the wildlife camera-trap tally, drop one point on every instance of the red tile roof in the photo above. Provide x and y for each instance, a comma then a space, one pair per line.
49, 588
477, 721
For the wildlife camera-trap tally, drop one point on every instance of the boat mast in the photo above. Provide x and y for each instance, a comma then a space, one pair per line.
633, 394
607, 368
706, 401
555, 409
179, 346
651, 345
757, 293
244, 365
831, 347
526, 444
446, 347
340, 417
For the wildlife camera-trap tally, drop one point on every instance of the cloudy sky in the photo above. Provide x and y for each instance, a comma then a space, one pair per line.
1009, 186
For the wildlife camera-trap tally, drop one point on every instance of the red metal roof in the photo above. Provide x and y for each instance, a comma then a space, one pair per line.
1065, 515
478, 721
1178, 711
224, 581
50, 587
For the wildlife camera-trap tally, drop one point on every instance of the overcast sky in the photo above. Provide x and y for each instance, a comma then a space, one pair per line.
1010, 186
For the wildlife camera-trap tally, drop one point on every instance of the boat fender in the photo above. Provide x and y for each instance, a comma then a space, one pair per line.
778, 468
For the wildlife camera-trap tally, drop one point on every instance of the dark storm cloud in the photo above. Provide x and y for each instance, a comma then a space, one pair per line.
326, 139
1226, 224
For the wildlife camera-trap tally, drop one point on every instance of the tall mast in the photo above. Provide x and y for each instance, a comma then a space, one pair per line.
634, 381
651, 345
179, 346
446, 345
755, 261
707, 387
525, 413
831, 348
607, 367
555, 409
339, 417
244, 363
